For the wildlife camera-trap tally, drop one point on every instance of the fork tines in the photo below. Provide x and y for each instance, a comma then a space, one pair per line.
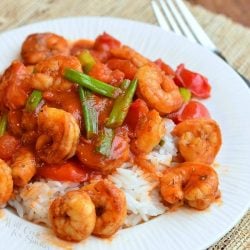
174, 15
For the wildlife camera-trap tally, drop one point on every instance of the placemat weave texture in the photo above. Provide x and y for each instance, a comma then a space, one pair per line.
231, 38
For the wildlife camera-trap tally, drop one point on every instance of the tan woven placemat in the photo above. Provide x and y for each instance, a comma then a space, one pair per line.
231, 38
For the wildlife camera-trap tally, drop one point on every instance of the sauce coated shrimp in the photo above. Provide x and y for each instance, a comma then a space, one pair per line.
72, 216
59, 135
199, 139
14, 86
130, 54
40, 46
23, 125
8, 146
193, 183
49, 73
110, 204
23, 167
158, 89
149, 132
68, 101
6, 183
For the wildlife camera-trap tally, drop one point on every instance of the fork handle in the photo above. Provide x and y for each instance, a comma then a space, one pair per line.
218, 53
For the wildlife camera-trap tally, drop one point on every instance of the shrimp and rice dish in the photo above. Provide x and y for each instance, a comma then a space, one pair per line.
95, 137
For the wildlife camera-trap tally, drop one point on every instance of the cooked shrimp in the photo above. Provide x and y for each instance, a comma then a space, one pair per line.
59, 135
190, 182
14, 86
40, 46
72, 216
49, 73
8, 146
142, 161
6, 183
130, 54
199, 139
29, 121
158, 89
66, 100
14, 122
110, 205
80, 45
23, 167
148, 132
29, 128
119, 154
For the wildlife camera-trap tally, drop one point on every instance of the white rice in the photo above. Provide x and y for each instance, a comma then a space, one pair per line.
32, 202
142, 194
161, 156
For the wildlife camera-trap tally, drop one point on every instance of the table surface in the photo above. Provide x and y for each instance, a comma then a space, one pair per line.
238, 10
231, 38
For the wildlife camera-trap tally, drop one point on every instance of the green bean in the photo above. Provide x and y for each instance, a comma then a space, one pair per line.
105, 141
124, 85
121, 106
89, 113
33, 100
91, 83
185, 93
3, 124
87, 60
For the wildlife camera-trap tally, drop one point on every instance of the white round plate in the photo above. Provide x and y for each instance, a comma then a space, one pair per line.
229, 105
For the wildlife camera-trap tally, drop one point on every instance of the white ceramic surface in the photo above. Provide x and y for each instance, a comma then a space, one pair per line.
229, 105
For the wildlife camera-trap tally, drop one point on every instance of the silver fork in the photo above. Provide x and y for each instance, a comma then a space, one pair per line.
174, 15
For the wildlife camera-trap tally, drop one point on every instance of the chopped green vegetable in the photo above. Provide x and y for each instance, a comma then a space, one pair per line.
124, 85
89, 113
185, 93
87, 60
33, 100
106, 139
3, 124
91, 83
121, 106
